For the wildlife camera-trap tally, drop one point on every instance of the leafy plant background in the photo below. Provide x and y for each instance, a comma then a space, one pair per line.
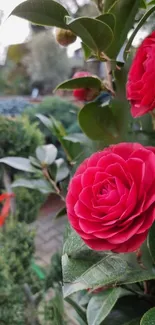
102, 288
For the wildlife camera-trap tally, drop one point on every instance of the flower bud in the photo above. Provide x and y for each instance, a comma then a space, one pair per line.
85, 94
65, 37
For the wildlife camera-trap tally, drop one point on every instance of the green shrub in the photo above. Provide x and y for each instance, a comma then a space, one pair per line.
19, 137
61, 109
28, 203
17, 249
16, 252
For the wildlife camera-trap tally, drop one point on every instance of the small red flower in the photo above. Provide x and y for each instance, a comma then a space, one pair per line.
84, 94
111, 198
6, 197
140, 85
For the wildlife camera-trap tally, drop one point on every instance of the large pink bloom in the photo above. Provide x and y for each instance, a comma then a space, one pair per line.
140, 85
111, 198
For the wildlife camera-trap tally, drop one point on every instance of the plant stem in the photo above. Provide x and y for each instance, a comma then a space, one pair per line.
52, 182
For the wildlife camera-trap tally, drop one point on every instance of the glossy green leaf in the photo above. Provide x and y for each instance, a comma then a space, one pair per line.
38, 184
108, 19
100, 305
98, 123
125, 12
46, 154
84, 82
19, 163
139, 25
149, 317
87, 51
94, 33
42, 12
151, 242
125, 313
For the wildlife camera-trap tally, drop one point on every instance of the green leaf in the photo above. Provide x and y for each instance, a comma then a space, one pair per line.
57, 128
72, 149
19, 163
98, 123
108, 19
42, 12
151, 3
46, 154
45, 120
77, 308
62, 170
100, 305
36, 184
133, 322
38, 270
94, 33
59, 170
139, 25
151, 242
91, 271
124, 312
86, 50
143, 4
34, 162
149, 317
84, 82
108, 4
74, 244
125, 12
61, 213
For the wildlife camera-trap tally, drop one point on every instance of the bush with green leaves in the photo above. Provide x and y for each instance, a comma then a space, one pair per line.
28, 203
17, 249
61, 109
19, 137
16, 252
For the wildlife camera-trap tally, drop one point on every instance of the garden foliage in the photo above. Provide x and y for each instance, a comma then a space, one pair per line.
108, 267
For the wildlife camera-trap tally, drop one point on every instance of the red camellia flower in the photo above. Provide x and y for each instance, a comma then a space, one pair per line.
6, 197
140, 85
111, 198
84, 94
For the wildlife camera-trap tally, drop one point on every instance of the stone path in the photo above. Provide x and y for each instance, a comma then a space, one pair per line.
49, 231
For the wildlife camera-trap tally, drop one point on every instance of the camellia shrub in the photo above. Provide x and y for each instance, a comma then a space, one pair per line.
109, 248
